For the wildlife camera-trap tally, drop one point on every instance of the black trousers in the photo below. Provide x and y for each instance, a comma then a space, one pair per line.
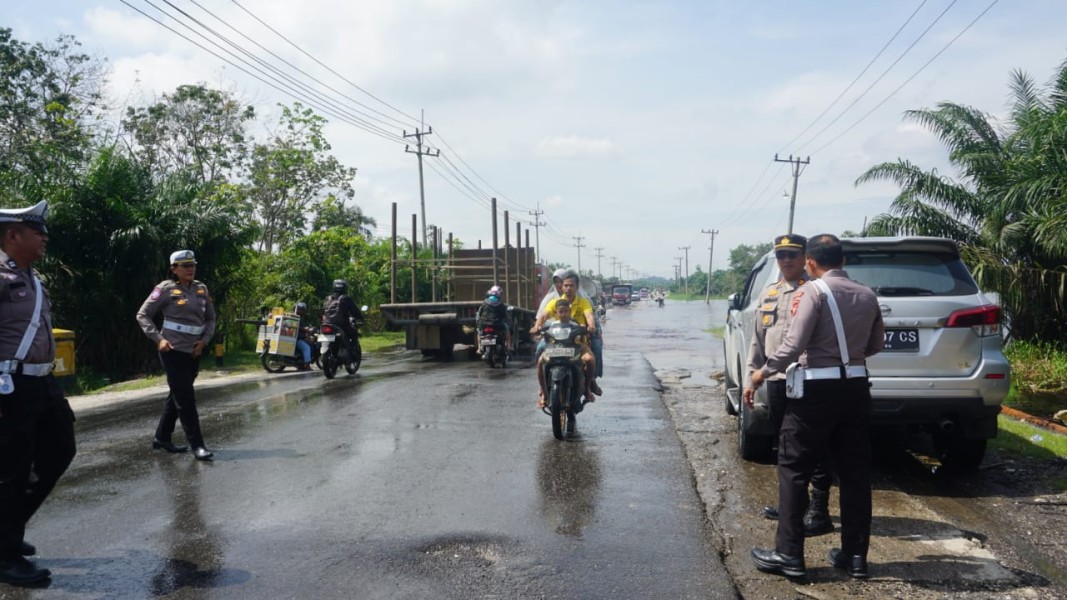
36, 435
823, 475
832, 419
182, 370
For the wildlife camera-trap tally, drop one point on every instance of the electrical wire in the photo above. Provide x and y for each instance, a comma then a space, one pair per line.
880, 77
857, 78
908, 80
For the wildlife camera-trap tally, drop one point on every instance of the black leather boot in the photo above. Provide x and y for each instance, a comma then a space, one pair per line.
817, 518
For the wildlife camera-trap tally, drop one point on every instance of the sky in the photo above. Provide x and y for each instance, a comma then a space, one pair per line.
636, 127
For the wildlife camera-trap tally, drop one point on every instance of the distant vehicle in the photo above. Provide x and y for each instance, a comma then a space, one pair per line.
644, 293
941, 370
635, 296
621, 295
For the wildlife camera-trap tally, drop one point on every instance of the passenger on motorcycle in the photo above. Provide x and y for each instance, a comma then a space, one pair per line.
301, 337
563, 311
494, 312
340, 310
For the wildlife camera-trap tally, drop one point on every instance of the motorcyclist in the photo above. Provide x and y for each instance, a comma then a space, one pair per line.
561, 311
340, 310
582, 313
302, 344
494, 312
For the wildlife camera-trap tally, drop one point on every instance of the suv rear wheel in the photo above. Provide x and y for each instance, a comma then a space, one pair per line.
959, 454
751, 446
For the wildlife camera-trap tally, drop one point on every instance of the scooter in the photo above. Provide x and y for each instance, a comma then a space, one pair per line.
564, 375
493, 347
659, 301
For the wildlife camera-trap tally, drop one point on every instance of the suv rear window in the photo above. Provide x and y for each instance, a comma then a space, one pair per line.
910, 273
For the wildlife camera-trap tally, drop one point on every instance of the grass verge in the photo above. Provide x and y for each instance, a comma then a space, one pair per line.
1023, 439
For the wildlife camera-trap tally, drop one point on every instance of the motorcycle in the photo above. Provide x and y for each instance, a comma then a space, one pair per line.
659, 301
564, 375
336, 349
279, 331
493, 347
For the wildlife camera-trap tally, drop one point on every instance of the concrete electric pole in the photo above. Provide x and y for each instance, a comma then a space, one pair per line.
711, 254
796, 162
419, 152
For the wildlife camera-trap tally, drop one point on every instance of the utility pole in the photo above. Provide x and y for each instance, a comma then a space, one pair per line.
579, 245
418, 151
537, 223
796, 162
678, 269
711, 254
686, 248
614, 261
599, 255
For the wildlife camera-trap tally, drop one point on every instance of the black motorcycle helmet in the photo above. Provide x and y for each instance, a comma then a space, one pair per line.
340, 286
301, 308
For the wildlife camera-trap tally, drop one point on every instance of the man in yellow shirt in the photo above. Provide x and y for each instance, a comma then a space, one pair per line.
581, 311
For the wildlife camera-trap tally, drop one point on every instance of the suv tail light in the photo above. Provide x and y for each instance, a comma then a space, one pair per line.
984, 320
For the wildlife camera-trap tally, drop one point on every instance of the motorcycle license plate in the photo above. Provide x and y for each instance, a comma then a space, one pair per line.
327, 337
559, 352
488, 341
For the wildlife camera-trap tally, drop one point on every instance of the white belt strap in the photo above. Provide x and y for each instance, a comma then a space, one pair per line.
34, 370
181, 328
849, 372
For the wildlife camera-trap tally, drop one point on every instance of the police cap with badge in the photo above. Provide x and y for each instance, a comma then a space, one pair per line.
183, 257
34, 216
790, 242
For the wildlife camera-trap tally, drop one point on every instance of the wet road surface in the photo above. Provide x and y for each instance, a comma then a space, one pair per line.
413, 479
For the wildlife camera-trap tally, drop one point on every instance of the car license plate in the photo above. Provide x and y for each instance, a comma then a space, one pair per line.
327, 337
901, 340
559, 352
488, 341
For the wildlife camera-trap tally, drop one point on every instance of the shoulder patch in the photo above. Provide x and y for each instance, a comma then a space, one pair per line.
156, 293
796, 302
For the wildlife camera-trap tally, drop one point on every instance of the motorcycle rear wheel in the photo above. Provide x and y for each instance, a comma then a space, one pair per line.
272, 363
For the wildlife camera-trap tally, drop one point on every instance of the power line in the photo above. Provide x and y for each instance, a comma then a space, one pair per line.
861, 73
908, 80
880, 77
321, 64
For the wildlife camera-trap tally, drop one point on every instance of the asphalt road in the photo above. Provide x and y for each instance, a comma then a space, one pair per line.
412, 479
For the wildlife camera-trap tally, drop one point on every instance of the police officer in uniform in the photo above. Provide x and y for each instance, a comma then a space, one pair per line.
36, 422
833, 416
772, 323
188, 325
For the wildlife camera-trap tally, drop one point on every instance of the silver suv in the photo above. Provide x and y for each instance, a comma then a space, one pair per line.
942, 370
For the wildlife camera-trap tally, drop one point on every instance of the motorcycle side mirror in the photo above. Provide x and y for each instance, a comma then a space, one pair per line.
511, 309
364, 308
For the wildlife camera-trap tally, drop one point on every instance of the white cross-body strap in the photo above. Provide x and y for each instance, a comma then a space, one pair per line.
35, 322
837, 318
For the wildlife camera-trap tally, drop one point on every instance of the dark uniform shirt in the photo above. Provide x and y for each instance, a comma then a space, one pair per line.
186, 305
772, 323
17, 298
812, 328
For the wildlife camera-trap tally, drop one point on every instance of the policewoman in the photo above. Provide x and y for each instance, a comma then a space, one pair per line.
188, 325
36, 422
836, 326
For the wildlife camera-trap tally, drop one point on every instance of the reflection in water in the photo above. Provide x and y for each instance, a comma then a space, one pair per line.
194, 558
568, 477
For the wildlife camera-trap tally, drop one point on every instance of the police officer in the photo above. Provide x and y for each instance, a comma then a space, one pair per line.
36, 422
832, 417
188, 324
772, 322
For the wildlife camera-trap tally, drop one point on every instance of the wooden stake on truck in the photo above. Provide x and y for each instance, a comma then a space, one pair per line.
435, 327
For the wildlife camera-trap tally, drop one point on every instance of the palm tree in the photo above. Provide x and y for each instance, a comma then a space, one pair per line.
1007, 204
